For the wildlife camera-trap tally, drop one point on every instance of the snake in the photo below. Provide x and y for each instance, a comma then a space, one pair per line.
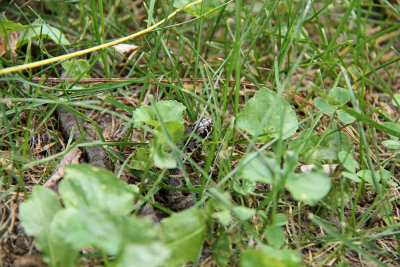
196, 133
94, 155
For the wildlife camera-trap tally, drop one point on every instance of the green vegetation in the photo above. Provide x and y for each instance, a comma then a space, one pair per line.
302, 164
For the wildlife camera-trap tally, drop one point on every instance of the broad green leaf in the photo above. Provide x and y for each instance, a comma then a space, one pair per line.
37, 212
258, 167
352, 176
268, 113
84, 185
348, 162
145, 114
171, 115
144, 255
323, 106
280, 219
162, 159
7, 27
252, 257
385, 174
65, 254
340, 94
36, 216
345, 117
90, 227
84, 227
249, 186
305, 142
224, 217
379, 175
184, 235
245, 188
141, 159
43, 31
291, 161
366, 175
391, 144
74, 67
218, 207
394, 126
275, 236
282, 254
308, 187
171, 110
396, 100
195, 10
221, 200
339, 195
175, 131
243, 213
314, 150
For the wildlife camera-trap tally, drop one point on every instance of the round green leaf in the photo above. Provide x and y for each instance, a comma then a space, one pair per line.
280, 219
145, 255
36, 215
352, 176
282, 254
224, 217
348, 162
145, 114
184, 235
171, 110
258, 167
275, 236
243, 213
271, 258
162, 159
323, 106
88, 226
385, 174
340, 94
245, 188
308, 187
84, 185
74, 67
268, 113
367, 176
175, 131
345, 117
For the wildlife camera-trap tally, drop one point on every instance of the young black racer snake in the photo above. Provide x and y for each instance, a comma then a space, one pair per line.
197, 132
98, 157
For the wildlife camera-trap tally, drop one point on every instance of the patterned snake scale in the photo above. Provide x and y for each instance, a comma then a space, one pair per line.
179, 200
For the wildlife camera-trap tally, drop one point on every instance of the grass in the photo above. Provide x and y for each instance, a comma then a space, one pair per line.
213, 65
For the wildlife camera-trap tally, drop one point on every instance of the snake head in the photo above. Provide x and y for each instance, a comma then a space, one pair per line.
199, 131
205, 127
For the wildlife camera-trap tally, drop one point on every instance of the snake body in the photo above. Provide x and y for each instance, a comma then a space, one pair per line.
198, 131
95, 155
98, 157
